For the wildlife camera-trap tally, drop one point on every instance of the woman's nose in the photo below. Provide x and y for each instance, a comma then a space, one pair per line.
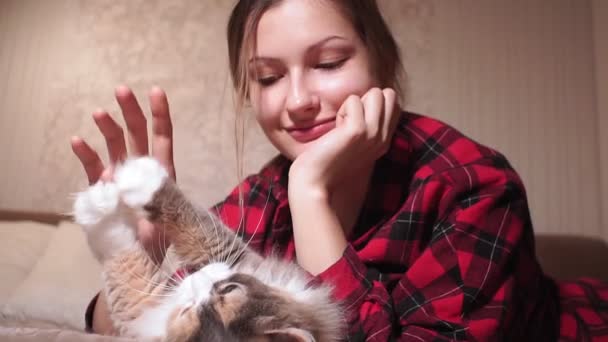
301, 100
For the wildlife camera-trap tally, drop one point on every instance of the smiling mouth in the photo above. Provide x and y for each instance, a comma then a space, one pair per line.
309, 133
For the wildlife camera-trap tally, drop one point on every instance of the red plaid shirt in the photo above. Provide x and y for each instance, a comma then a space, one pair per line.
443, 248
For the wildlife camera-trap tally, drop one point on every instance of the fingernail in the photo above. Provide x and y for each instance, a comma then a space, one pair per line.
122, 90
156, 90
106, 175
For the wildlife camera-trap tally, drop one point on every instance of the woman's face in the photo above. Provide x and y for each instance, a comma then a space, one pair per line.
309, 59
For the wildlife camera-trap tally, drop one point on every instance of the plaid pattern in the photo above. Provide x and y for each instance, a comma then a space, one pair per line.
443, 248
584, 310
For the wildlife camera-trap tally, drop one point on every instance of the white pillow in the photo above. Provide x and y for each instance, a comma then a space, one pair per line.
61, 284
21, 244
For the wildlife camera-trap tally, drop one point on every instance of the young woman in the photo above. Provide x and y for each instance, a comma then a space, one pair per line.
426, 233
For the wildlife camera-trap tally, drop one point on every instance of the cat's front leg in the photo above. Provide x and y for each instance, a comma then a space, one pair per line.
133, 282
108, 227
197, 237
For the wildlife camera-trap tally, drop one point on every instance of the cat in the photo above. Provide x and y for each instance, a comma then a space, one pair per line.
232, 293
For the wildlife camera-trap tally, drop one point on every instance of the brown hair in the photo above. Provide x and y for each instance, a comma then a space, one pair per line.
365, 17
367, 21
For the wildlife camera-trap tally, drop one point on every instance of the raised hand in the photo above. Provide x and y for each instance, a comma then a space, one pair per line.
329, 180
364, 129
136, 124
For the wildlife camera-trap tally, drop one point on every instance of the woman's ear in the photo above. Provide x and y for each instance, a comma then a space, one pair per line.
289, 335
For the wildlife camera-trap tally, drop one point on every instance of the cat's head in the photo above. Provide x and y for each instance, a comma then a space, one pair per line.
218, 304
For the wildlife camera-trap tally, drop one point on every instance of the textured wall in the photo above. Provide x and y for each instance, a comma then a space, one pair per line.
516, 75
519, 75
600, 30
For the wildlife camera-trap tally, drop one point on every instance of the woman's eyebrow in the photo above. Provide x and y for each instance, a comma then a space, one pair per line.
323, 41
256, 59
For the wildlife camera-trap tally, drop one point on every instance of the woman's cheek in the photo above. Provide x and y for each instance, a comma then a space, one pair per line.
266, 104
335, 90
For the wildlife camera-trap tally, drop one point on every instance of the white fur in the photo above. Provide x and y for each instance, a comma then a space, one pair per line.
107, 212
152, 323
138, 180
292, 279
95, 203
194, 290
288, 277
110, 226
98, 211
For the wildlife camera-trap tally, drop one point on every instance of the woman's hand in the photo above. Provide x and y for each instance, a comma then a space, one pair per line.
329, 180
136, 124
364, 129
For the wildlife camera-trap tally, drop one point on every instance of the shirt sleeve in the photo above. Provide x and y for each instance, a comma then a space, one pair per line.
464, 283
248, 210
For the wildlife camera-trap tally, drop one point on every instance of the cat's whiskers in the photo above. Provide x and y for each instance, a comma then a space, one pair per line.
155, 285
223, 257
166, 290
200, 226
241, 223
163, 295
215, 229
173, 276
157, 261
149, 281
215, 217
230, 261
246, 244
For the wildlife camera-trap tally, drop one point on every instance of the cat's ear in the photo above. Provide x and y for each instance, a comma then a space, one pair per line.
289, 335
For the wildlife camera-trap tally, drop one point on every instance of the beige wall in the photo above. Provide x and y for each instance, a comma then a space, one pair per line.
600, 30
516, 75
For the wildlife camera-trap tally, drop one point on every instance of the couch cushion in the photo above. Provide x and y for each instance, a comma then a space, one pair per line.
60, 285
567, 257
21, 244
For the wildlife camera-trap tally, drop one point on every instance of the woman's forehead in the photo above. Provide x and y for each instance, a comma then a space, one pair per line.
294, 26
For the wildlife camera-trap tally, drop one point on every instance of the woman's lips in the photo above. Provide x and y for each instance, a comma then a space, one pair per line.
313, 132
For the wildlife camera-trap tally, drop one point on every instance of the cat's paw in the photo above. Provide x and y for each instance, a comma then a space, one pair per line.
97, 210
138, 179
96, 203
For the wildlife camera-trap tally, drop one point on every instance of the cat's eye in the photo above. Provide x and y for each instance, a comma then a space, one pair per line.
228, 288
184, 310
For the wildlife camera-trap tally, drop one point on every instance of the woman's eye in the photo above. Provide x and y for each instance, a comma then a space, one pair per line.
331, 65
267, 81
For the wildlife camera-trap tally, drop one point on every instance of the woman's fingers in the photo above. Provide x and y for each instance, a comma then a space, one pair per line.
113, 134
353, 115
373, 103
88, 158
135, 120
162, 130
138, 136
391, 114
